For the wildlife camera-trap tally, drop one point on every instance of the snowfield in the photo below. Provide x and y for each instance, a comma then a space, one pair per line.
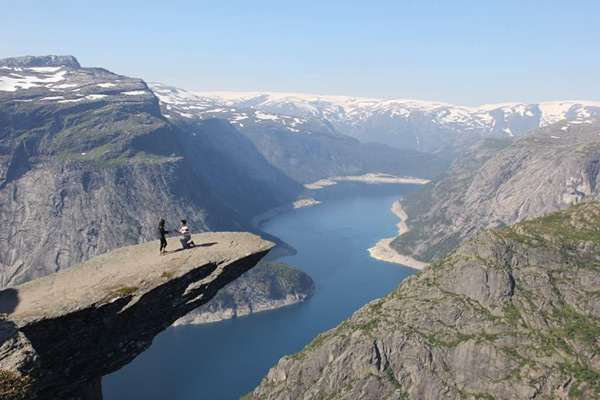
13, 79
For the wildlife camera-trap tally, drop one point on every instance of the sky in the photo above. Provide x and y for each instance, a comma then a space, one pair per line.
461, 52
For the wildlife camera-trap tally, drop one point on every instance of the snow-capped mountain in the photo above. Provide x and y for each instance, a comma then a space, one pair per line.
414, 124
305, 146
189, 105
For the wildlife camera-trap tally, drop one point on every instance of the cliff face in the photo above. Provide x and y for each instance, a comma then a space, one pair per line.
63, 332
502, 181
510, 314
88, 164
267, 286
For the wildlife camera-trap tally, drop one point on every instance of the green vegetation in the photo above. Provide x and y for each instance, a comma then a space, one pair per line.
512, 314
14, 386
125, 290
560, 231
585, 377
577, 325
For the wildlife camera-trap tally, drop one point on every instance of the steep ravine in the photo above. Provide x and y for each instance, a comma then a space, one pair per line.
511, 313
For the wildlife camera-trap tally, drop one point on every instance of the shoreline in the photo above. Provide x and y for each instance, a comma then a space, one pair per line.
239, 312
257, 220
384, 252
370, 178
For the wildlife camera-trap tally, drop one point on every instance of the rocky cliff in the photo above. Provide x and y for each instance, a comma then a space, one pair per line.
267, 286
88, 163
502, 181
510, 314
60, 334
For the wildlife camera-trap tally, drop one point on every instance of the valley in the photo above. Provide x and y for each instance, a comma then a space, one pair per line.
511, 313
494, 203
331, 241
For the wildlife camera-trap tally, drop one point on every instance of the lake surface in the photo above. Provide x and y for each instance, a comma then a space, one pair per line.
228, 359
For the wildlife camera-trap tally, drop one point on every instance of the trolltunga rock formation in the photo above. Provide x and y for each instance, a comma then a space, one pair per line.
60, 334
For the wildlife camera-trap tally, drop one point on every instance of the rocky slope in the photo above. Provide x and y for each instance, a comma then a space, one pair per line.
411, 124
267, 286
510, 314
501, 181
60, 334
88, 163
306, 148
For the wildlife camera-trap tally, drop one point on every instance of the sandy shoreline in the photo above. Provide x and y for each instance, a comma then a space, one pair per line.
384, 252
371, 178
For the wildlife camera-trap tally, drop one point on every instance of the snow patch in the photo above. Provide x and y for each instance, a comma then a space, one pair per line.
261, 115
64, 86
134, 93
44, 69
12, 84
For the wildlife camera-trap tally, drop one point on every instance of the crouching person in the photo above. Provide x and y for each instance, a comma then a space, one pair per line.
185, 235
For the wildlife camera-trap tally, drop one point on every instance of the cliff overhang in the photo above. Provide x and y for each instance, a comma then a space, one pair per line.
60, 334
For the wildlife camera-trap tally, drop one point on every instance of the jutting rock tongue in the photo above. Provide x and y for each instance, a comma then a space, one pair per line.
63, 332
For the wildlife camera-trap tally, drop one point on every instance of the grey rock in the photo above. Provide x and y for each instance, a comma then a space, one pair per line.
88, 164
41, 61
504, 316
497, 182
65, 331
267, 286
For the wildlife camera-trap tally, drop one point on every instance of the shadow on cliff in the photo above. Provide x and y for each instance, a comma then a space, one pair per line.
9, 299
197, 245
8, 302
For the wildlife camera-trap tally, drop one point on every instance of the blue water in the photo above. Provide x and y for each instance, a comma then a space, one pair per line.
228, 359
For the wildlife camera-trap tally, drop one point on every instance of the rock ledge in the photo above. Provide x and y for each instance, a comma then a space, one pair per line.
67, 330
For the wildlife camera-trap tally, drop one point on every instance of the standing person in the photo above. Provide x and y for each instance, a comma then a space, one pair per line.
162, 232
186, 235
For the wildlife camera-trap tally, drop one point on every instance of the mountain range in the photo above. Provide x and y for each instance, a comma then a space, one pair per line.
306, 148
409, 124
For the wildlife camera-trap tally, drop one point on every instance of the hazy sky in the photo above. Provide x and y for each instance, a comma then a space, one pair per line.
464, 52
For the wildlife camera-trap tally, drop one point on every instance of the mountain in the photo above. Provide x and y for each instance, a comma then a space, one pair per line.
306, 148
88, 163
510, 314
500, 181
410, 124
269, 285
